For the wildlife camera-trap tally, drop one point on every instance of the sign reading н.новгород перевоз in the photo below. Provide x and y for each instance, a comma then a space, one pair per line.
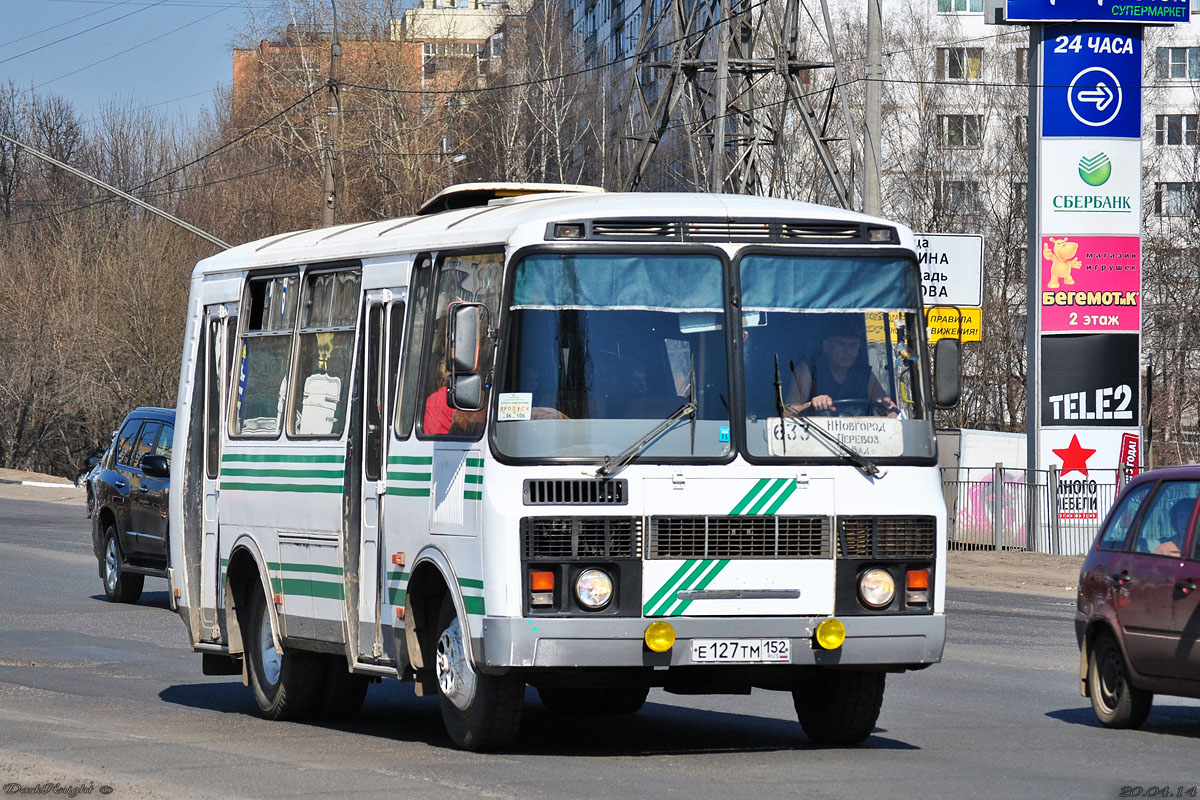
1144, 12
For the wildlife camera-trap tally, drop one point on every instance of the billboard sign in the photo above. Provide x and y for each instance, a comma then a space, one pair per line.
1090, 283
951, 322
951, 268
1090, 380
1092, 80
1091, 186
1145, 12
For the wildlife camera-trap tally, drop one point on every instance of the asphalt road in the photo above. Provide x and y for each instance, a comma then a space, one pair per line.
95, 696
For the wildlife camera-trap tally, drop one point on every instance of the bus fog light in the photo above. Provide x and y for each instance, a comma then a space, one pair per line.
830, 634
659, 636
876, 588
594, 588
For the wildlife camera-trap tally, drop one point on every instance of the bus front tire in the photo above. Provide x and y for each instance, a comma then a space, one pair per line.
611, 700
480, 712
285, 684
839, 707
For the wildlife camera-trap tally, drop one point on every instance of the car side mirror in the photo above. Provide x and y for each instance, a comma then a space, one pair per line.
156, 466
465, 335
947, 373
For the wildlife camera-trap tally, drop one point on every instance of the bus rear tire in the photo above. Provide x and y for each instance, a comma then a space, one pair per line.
839, 707
611, 700
285, 684
480, 712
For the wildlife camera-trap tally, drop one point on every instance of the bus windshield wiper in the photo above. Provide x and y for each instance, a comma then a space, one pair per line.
867, 466
611, 465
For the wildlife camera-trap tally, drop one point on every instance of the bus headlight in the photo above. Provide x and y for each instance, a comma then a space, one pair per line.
593, 588
876, 588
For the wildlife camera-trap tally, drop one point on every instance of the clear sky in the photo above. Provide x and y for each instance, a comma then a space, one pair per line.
165, 54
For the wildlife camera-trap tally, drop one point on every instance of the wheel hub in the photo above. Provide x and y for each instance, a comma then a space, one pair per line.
1112, 683
455, 677
110, 565
268, 655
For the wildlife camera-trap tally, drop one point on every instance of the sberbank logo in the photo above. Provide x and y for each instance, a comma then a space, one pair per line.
1095, 170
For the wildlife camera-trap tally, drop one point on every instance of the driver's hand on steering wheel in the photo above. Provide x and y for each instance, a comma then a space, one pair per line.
822, 402
893, 411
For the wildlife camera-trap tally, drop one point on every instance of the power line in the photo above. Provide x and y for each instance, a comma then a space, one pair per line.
80, 33
57, 25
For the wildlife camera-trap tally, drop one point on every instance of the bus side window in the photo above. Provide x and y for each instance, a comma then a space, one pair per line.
414, 346
264, 351
327, 321
473, 278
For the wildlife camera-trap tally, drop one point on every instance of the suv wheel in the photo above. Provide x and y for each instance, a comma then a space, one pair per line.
1115, 701
119, 586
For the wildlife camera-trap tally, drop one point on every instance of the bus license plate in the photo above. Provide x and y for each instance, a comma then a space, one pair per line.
740, 651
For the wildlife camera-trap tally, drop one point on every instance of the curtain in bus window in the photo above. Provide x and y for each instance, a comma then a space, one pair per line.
660, 282
326, 350
263, 352
773, 282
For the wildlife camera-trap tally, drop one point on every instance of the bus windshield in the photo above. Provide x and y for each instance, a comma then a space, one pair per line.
834, 341
603, 347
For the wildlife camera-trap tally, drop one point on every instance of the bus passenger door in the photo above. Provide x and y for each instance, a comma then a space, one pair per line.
220, 329
384, 324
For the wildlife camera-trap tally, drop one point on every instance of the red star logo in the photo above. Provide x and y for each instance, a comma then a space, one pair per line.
1074, 457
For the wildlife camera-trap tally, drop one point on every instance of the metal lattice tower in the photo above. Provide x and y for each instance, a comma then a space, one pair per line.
714, 93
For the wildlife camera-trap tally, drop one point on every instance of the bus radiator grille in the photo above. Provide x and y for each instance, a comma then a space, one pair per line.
887, 537
565, 538
575, 492
740, 537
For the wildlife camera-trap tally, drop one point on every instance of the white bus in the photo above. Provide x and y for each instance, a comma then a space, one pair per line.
591, 443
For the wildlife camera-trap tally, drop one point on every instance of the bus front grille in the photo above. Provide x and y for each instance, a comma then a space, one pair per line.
551, 491
739, 537
565, 538
887, 537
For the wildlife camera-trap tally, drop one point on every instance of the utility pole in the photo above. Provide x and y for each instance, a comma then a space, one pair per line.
872, 112
329, 198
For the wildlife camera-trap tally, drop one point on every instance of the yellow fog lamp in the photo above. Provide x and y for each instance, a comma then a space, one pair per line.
659, 636
831, 633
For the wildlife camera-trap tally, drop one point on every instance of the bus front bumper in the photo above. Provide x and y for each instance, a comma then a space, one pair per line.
909, 641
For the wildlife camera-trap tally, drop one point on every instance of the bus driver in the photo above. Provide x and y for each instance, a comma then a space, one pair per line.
838, 374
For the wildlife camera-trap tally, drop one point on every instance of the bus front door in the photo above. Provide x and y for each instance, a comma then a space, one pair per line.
220, 327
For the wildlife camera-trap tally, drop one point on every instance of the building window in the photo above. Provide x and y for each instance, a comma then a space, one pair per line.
960, 6
958, 197
960, 130
1175, 199
1175, 128
1021, 130
1021, 62
960, 63
1177, 62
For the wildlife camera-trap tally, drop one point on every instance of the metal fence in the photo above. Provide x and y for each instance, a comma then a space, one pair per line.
1037, 510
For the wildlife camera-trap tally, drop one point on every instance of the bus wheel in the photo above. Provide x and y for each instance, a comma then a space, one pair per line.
285, 684
342, 693
612, 700
119, 587
839, 707
481, 712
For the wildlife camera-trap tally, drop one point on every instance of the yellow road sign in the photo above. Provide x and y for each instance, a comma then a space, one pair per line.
944, 322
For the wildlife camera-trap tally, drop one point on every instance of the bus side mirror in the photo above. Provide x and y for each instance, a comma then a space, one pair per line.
947, 369
464, 334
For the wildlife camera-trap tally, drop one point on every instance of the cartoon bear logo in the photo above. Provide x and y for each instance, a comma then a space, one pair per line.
1062, 260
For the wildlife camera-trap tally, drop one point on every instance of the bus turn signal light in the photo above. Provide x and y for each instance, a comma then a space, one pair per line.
916, 589
541, 588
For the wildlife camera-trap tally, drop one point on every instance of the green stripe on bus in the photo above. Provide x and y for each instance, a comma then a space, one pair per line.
670, 600
309, 588
472, 495
320, 568
396, 596
407, 492
666, 587
720, 565
470, 583
791, 487
474, 462
283, 487
396, 575
276, 585
750, 495
285, 473
408, 476
468, 478
410, 460
260, 457
473, 605
767, 496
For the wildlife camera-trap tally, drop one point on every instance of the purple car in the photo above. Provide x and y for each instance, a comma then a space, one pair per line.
1138, 617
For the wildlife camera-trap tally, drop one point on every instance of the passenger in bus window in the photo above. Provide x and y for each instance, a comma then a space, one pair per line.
838, 373
440, 419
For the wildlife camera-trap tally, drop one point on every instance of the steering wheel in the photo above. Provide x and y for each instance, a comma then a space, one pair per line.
869, 407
